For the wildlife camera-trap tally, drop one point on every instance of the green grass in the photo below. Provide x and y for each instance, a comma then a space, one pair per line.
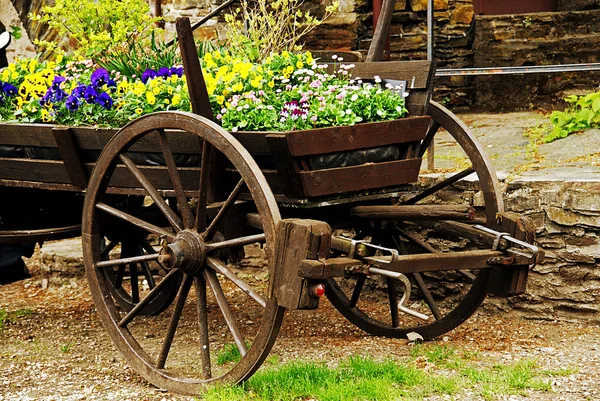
229, 353
429, 370
7, 317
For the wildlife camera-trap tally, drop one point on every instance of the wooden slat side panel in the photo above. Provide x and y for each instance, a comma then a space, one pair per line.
158, 176
27, 135
359, 136
416, 73
52, 171
34, 170
358, 178
92, 139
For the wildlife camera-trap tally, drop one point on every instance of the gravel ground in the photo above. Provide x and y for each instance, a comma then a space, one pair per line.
60, 351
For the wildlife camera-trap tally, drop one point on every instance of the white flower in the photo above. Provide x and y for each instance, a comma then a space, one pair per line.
379, 113
354, 97
334, 57
234, 129
348, 112
377, 79
399, 109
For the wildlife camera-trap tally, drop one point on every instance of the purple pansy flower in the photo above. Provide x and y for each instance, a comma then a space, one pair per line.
8, 89
105, 100
100, 78
90, 94
57, 81
72, 103
164, 72
78, 91
148, 74
177, 71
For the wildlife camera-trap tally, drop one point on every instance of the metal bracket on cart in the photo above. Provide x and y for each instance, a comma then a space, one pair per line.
532, 251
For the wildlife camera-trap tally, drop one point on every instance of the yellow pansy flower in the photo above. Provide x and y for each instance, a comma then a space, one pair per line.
139, 88
32, 64
220, 99
139, 110
176, 99
150, 98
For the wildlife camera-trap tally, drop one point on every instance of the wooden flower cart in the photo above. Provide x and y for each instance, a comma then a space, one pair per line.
177, 212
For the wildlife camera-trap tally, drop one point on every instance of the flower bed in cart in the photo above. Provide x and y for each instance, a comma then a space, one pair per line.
286, 92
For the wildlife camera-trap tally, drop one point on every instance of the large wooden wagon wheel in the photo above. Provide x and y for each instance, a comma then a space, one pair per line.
220, 334
442, 301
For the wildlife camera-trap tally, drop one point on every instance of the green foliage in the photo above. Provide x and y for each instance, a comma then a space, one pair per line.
447, 373
66, 348
15, 32
98, 27
583, 112
133, 58
261, 27
229, 353
7, 317
3, 318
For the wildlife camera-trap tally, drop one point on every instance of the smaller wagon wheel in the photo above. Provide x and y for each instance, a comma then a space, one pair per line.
440, 301
130, 281
224, 319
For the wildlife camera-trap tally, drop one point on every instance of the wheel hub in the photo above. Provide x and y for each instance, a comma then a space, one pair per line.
186, 253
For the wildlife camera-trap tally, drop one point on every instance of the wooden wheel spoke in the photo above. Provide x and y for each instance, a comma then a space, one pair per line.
393, 298
431, 132
360, 282
439, 186
182, 204
174, 322
111, 245
148, 274
469, 276
215, 286
230, 243
427, 295
135, 288
220, 267
200, 284
147, 299
223, 210
200, 223
119, 276
147, 247
135, 221
123, 261
162, 205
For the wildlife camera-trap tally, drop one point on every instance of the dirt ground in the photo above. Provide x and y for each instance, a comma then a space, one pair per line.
56, 348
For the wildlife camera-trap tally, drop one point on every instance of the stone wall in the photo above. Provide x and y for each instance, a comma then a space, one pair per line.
566, 285
535, 39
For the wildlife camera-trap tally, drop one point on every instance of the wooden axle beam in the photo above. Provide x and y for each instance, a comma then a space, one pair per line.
415, 212
473, 260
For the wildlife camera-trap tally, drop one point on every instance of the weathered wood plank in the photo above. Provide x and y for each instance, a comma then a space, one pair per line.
297, 240
358, 178
415, 212
359, 136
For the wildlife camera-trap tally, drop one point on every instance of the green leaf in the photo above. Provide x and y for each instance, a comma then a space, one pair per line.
596, 104
15, 32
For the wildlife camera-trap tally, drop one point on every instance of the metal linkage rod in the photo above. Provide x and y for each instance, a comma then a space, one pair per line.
536, 69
